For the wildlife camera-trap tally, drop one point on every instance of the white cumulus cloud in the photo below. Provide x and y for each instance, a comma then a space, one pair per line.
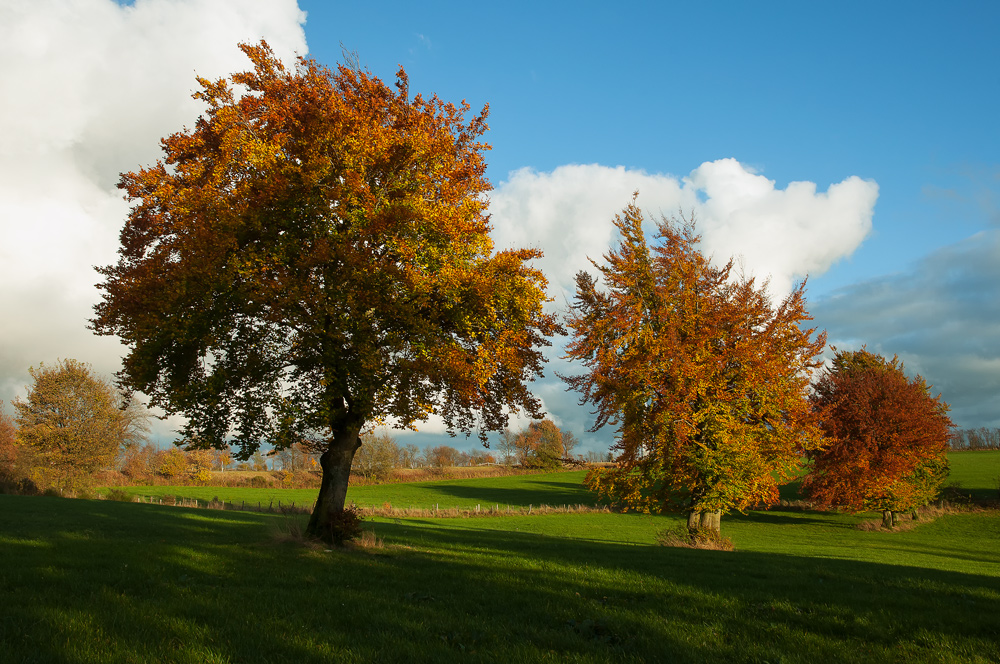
785, 234
940, 316
89, 87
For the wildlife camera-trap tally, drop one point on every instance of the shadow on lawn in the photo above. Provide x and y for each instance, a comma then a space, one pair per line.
777, 516
101, 581
538, 493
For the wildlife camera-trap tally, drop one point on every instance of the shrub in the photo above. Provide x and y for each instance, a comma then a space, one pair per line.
201, 476
344, 525
172, 463
119, 496
694, 538
257, 482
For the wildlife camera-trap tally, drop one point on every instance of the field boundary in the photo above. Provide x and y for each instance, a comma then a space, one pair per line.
386, 510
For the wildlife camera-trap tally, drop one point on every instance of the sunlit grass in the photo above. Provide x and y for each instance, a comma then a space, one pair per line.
976, 472
99, 581
516, 491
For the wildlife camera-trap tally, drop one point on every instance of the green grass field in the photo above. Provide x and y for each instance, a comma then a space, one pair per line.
99, 581
976, 473
513, 491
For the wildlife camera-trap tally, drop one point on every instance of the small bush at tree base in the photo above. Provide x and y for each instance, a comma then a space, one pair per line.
694, 538
344, 526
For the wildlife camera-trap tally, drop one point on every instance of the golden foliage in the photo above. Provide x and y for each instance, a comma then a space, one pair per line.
314, 255
73, 423
703, 376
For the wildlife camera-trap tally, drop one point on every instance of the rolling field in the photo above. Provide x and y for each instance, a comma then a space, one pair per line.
976, 473
512, 490
100, 581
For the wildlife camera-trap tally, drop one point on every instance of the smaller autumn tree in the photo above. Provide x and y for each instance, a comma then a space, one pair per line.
540, 445
507, 447
199, 467
376, 457
442, 456
408, 455
887, 437
172, 463
138, 462
73, 423
703, 375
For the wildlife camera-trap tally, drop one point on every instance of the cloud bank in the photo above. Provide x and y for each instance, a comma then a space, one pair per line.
785, 234
941, 317
89, 87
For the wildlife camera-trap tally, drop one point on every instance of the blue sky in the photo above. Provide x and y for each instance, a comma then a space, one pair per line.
800, 91
888, 109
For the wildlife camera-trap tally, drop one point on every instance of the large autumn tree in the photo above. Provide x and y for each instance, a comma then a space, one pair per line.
314, 255
704, 378
887, 437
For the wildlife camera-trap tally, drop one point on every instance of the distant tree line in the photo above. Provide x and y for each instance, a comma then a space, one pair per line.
981, 438
76, 429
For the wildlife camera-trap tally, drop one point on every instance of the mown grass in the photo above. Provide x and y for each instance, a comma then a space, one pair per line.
98, 581
976, 473
562, 488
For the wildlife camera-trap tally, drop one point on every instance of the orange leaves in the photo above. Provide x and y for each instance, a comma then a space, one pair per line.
315, 253
703, 376
887, 436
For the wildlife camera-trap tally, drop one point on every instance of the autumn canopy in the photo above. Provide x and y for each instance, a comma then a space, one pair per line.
313, 256
886, 437
704, 378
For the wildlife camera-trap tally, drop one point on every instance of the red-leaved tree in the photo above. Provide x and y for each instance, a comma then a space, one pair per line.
887, 437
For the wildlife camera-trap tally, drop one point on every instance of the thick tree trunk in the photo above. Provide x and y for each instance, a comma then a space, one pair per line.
336, 464
888, 519
711, 521
694, 520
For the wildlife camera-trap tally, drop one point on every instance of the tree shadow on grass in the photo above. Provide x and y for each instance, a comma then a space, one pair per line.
777, 516
547, 493
93, 581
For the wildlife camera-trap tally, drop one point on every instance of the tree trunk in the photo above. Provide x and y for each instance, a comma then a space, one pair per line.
694, 520
888, 520
336, 464
711, 521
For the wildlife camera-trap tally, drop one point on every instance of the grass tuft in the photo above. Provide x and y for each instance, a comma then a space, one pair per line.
694, 538
289, 530
120, 496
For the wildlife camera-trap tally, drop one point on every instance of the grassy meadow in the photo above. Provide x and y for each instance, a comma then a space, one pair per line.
514, 491
102, 581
